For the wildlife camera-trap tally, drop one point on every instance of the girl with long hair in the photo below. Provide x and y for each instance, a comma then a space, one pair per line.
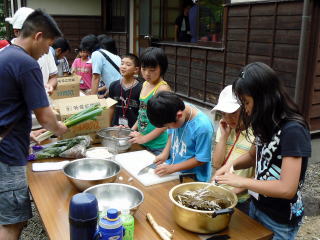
280, 151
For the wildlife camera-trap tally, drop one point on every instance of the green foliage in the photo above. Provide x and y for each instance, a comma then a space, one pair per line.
2, 23
210, 16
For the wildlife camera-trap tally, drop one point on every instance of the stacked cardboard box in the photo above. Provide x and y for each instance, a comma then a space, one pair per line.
67, 87
68, 106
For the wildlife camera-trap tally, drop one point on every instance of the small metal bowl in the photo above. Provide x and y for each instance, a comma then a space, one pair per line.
118, 196
87, 172
116, 139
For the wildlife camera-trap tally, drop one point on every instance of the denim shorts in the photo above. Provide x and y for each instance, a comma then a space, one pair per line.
280, 231
15, 206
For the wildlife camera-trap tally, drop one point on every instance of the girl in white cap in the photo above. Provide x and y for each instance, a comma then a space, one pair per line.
231, 142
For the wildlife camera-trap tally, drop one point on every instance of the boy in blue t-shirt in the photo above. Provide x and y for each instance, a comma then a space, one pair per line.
188, 149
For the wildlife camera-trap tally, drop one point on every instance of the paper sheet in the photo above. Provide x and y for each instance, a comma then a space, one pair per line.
48, 166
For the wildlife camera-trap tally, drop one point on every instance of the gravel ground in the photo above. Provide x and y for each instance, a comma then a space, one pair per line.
308, 231
34, 230
310, 227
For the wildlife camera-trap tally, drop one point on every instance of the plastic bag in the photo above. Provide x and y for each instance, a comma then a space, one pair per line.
79, 150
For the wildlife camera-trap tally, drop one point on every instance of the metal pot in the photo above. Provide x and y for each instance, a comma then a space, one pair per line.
200, 221
116, 139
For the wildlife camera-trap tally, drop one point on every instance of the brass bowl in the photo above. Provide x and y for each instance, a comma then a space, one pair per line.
200, 221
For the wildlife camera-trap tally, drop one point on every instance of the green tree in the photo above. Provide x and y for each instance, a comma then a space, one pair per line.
2, 23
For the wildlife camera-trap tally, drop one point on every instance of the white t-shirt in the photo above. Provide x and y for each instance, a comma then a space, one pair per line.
48, 66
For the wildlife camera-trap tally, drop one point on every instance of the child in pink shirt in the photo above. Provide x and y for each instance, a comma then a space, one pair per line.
83, 69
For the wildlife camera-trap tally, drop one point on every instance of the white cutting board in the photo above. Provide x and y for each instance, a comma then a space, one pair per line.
133, 162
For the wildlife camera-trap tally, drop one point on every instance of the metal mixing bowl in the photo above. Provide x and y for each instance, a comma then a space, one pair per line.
118, 196
87, 172
116, 139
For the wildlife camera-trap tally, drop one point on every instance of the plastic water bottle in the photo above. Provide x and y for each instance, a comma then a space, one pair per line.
110, 226
128, 224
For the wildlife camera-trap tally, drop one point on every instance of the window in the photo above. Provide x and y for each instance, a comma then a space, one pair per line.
210, 20
117, 15
199, 22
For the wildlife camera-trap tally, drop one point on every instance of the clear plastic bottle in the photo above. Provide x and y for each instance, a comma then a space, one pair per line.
128, 224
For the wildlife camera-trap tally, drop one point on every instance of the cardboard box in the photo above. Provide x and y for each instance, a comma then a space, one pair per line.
67, 87
68, 106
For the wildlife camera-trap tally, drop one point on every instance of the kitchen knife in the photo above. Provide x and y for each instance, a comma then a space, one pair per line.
146, 169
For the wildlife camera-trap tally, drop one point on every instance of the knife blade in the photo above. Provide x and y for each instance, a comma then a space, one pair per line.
146, 169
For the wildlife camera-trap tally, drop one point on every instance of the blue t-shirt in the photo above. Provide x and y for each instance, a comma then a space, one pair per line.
196, 142
21, 92
101, 66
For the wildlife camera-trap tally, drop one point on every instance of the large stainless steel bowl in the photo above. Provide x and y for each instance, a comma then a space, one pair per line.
87, 172
200, 221
115, 139
118, 196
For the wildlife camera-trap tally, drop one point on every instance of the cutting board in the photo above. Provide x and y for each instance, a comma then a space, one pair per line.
133, 162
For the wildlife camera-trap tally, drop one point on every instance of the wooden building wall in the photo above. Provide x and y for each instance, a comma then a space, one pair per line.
314, 75
315, 104
122, 42
266, 32
76, 27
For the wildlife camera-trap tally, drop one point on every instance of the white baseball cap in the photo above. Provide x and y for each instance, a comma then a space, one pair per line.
19, 17
227, 102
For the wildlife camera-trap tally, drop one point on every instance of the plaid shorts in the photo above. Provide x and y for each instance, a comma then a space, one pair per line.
15, 206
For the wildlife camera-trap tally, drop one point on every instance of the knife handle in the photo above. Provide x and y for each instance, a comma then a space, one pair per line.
190, 175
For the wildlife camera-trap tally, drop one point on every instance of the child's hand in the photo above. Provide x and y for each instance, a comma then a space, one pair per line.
137, 138
164, 169
221, 171
231, 180
224, 128
159, 159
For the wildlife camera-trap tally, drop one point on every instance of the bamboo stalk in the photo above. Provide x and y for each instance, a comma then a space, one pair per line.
162, 232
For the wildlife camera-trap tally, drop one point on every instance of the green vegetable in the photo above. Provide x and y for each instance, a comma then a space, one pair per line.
86, 114
59, 147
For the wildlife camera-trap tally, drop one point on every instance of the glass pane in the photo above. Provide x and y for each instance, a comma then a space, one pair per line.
172, 10
156, 19
117, 17
144, 17
210, 20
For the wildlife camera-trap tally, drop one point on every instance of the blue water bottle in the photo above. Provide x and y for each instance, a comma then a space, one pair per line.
110, 226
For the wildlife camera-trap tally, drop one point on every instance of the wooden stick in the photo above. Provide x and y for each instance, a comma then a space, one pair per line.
162, 232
